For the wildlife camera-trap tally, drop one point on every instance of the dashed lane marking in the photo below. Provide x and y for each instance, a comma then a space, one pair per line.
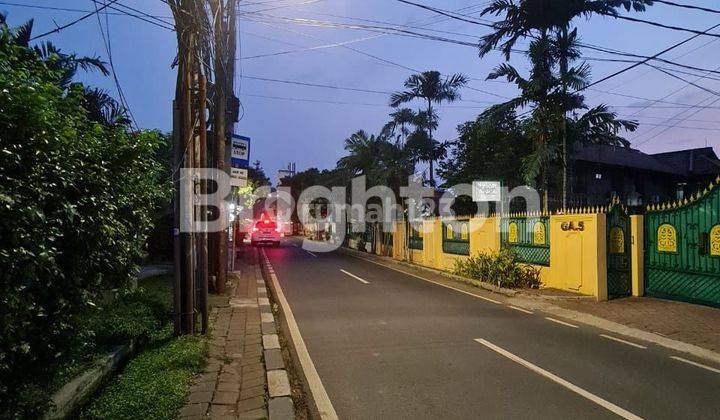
620, 340
557, 321
355, 277
560, 381
430, 281
700, 365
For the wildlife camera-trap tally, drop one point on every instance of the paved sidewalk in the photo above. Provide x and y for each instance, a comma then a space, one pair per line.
693, 324
235, 382
687, 323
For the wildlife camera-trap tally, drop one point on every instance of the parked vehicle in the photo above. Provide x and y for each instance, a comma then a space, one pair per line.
266, 231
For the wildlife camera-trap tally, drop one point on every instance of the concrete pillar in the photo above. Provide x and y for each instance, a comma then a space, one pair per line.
637, 254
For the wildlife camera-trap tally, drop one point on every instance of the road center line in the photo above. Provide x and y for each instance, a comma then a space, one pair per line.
355, 277
430, 281
620, 340
700, 365
520, 309
319, 394
557, 321
572, 387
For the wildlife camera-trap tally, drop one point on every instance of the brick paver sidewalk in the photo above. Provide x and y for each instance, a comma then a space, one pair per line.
234, 382
692, 324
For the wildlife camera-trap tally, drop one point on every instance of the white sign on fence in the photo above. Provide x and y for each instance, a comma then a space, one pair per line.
486, 191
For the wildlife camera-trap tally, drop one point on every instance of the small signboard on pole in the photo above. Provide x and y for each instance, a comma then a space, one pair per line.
240, 153
238, 177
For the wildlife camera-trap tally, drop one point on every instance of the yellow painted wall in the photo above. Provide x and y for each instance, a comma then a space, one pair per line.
578, 259
448, 261
637, 254
484, 235
399, 241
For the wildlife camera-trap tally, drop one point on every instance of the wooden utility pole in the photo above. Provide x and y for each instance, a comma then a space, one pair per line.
199, 254
203, 256
219, 253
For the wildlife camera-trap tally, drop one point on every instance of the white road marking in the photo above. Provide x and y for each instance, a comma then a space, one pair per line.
319, 394
620, 340
700, 365
355, 277
567, 324
430, 281
310, 253
520, 309
572, 387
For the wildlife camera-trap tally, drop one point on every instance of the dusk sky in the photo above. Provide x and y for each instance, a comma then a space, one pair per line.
307, 125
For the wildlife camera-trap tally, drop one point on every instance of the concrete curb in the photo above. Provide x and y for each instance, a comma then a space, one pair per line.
280, 404
480, 284
318, 402
602, 323
68, 399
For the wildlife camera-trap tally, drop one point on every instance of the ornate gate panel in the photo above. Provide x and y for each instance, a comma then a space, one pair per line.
682, 249
618, 251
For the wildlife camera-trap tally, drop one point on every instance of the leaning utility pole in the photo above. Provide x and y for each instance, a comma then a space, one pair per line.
189, 133
206, 37
219, 266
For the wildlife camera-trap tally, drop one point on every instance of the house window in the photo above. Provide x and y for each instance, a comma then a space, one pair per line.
598, 176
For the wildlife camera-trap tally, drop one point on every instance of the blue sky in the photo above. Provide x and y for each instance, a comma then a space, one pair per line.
300, 129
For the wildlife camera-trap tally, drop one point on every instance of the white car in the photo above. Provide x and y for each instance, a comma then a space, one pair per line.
266, 231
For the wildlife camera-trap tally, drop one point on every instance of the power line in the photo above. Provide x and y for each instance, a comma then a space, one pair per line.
381, 59
158, 22
71, 23
662, 25
687, 6
452, 15
331, 102
108, 49
266, 79
619, 72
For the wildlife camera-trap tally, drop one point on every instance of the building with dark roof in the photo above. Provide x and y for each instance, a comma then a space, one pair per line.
600, 173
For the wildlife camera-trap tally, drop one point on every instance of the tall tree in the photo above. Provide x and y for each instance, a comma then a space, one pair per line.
527, 18
399, 125
492, 148
546, 90
430, 87
550, 20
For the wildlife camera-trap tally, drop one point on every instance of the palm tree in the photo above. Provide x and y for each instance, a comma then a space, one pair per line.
101, 107
400, 118
537, 18
430, 87
526, 18
546, 90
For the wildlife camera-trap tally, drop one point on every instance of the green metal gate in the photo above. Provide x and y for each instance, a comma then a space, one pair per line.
618, 251
682, 249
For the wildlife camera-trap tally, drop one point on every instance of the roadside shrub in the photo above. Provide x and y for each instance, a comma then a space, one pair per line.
155, 384
76, 204
503, 268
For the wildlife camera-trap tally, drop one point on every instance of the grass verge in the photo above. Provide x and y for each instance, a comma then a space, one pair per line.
155, 383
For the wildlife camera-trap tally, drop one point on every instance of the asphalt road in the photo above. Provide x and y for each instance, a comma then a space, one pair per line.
389, 345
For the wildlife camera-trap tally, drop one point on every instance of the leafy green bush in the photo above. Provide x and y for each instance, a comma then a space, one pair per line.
76, 205
503, 268
154, 385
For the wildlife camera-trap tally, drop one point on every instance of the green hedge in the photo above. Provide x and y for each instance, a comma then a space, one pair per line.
76, 204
